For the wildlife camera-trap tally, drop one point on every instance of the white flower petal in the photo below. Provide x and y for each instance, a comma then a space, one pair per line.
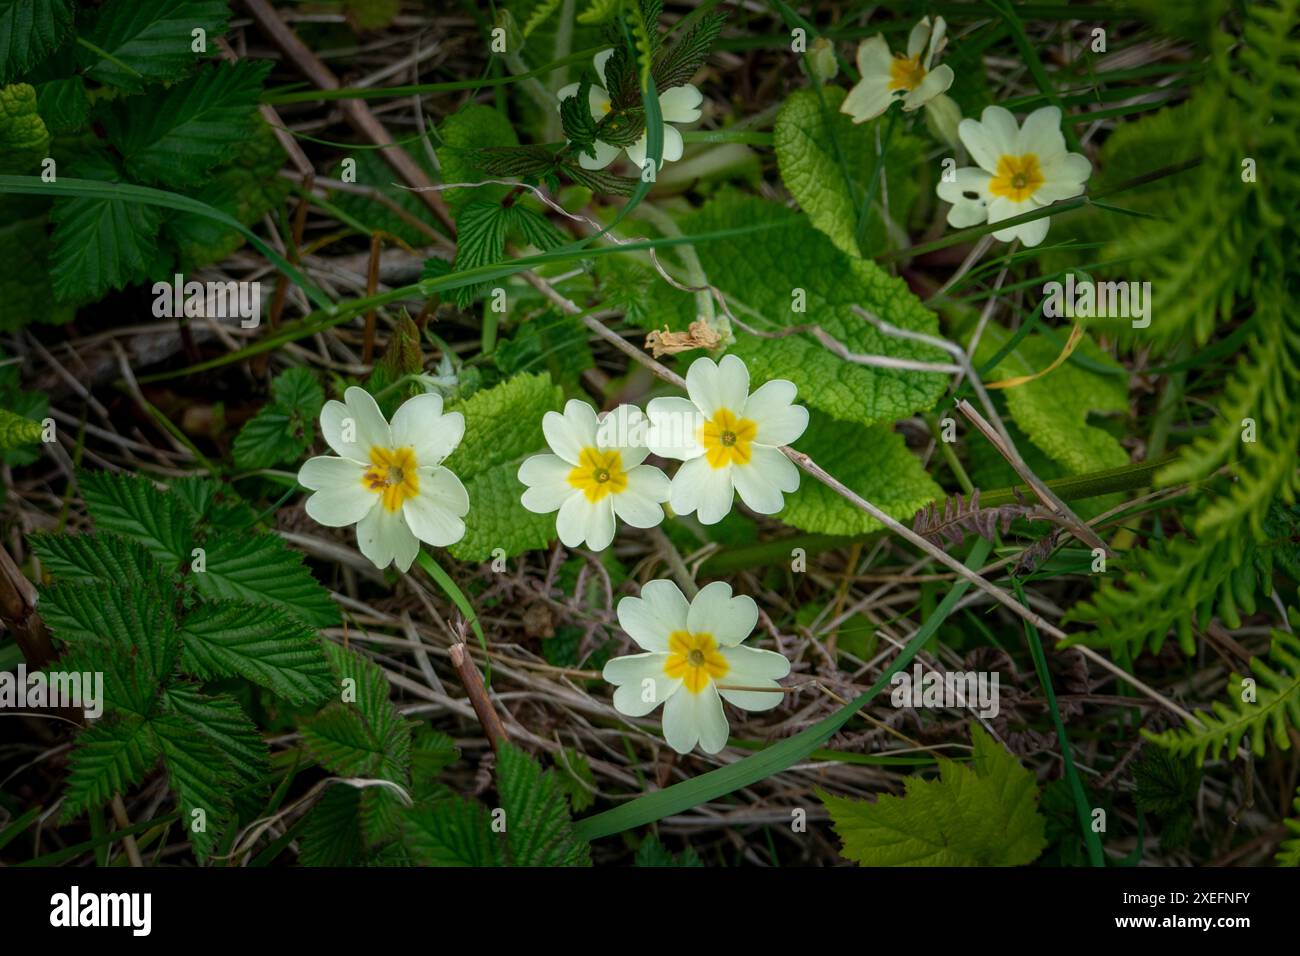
1041, 134
751, 667
681, 104
581, 520
1069, 168
712, 386
675, 427
1032, 233
649, 619
547, 478
699, 487
421, 425
639, 504
762, 482
696, 718
637, 152
771, 407
868, 98
354, 426
730, 619
569, 433
641, 683
435, 514
1054, 190
372, 429
968, 213
937, 81
919, 37
384, 538
624, 429
969, 184
674, 146
1000, 125
874, 58
606, 153
564, 92
937, 39
341, 497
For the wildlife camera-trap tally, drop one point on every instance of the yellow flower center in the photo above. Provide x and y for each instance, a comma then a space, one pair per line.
393, 474
726, 439
694, 659
905, 72
1017, 178
599, 473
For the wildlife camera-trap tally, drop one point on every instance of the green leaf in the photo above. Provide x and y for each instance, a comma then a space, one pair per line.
150, 40
25, 282
576, 778
372, 171
223, 722
63, 104
201, 779
361, 735
24, 140
579, 125
653, 853
982, 815
332, 836
1053, 410
261, 644
103, 244
680, 62
1289, 852
503, 425
481, 227
452, 831
30, 30
109, 756
827, 161
285, 427
538, 829
176, 136
760, 276
472, 127
873, 461
131, 506
262, 569
105, 558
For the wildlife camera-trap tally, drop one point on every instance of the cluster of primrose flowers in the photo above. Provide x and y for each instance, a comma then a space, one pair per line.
1019, 169
388, 479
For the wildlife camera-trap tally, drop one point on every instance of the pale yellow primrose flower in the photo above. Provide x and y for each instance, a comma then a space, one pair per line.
728, 440
594, 475
681, 104
689, 650
887, 77
389, 480
1020, 169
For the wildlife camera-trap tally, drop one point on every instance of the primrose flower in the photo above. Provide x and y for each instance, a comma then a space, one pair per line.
886, 78
728, 439
681, 104
1020, 170
693, 660
389, 480
595, 474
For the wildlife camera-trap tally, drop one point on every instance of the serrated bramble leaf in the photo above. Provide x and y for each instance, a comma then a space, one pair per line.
214, 506
26, 287
451, 831
827, 162
63, 104
104, 557
472, 128
259, 643
481, 227
677, 64
579, 125
199, 776
985, 814
539, 831
653, 853
109, 756
362, 734
151, 40
24, 140
130, 505
103, 244
332, 834
262, 569
225, 724
177, 136
285, 427
872, 460
30, 30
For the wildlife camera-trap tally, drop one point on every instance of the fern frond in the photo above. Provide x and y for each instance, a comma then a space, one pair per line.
1266, 708
1288, 853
